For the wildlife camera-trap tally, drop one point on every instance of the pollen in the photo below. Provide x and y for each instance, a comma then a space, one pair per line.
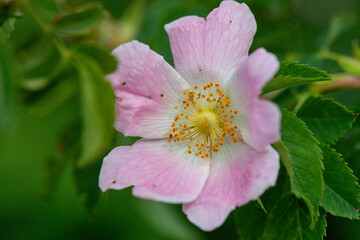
204, 120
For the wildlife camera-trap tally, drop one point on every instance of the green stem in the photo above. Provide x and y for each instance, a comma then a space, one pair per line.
340, 81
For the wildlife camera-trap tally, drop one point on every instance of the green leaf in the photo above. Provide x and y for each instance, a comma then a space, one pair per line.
356, 49
301, 155
289, 220
7, 76
81, 20
41, 63
327, 119
338, 25
250, 220
341, 191
284, 156
101, 55
169, 223
97, 100
87, 185
293, 74
348, 64
7, 28
52, 97
65, 151
349, 147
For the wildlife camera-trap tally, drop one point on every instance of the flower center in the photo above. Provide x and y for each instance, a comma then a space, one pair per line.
207, 121
204, 120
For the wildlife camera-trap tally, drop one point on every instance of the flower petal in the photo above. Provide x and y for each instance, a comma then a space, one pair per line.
232, 182
141, 116
260, 121
158, 170
186, 37
147, 88
212, 50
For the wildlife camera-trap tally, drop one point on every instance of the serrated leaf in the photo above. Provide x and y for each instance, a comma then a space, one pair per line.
80, 21
304, 166
284, 155
327, 119
349, 147
97, 100
341, 191
293, 74
290, 220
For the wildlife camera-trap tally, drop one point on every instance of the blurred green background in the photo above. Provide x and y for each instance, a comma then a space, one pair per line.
56, 109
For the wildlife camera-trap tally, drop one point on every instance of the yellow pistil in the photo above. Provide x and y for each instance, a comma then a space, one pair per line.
204, 120
207, 121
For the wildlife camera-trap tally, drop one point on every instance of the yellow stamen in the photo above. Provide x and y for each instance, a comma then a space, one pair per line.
205, 120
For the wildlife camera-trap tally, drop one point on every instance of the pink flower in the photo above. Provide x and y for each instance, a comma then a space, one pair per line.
206, 134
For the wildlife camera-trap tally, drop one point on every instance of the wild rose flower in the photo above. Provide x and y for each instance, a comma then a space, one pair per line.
206, 134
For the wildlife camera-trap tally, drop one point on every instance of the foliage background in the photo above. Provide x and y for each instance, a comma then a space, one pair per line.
52, 93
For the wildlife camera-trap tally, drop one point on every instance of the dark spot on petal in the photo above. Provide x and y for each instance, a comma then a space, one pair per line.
230, 21
149, 97
119, 99
154, 185
199, 69
124, 83
114, 182
161, 95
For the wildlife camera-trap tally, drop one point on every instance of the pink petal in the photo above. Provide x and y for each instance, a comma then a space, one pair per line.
233, 182
141, 116
146, 87
186, 37
212, 49
261, 120
157, 169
